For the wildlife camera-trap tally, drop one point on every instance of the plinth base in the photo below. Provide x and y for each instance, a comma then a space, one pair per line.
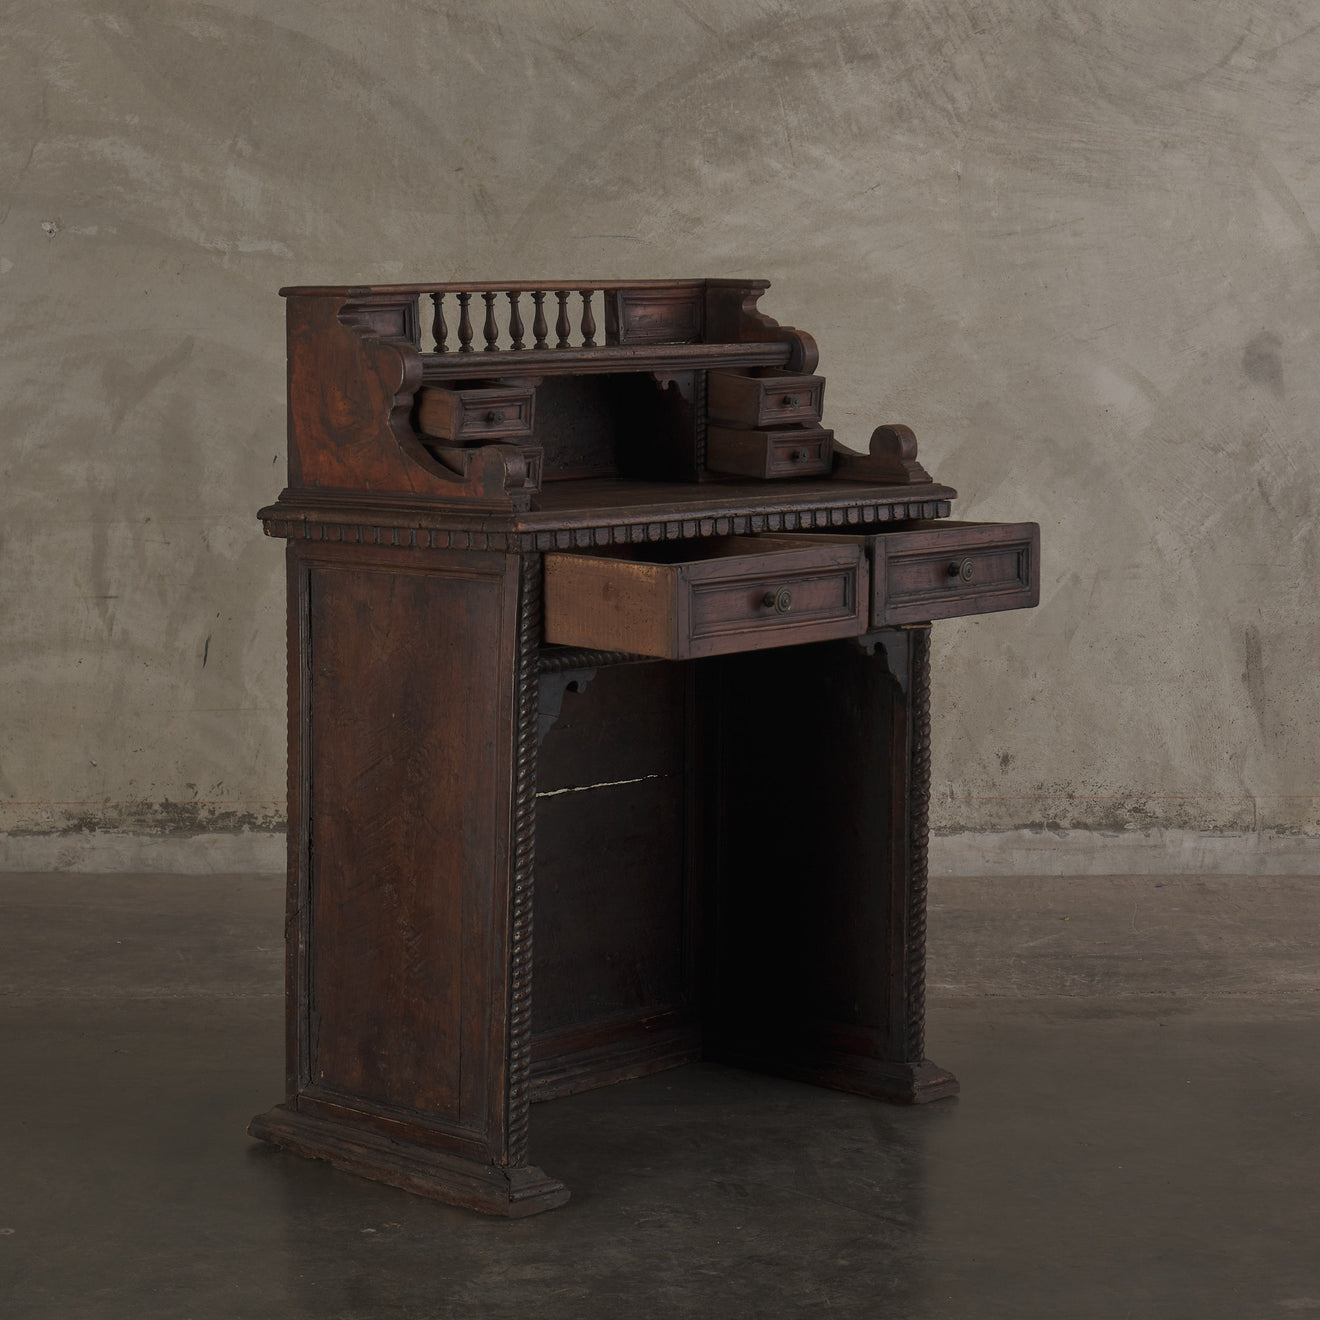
899, 1083
515, 1193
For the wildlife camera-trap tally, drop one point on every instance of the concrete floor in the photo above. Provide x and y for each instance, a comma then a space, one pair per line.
1137, 1133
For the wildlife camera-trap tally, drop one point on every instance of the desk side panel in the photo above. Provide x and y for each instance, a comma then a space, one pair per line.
408, 675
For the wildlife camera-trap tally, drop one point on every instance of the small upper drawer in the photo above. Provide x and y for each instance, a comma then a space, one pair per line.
485, 413
683, 599
943, 570
768, 397
789, 451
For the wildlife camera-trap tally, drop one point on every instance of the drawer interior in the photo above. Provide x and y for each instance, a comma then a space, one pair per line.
708, 596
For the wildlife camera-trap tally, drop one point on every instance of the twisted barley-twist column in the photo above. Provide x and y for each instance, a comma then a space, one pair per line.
570, 657
918, 839
524, 847
699, 395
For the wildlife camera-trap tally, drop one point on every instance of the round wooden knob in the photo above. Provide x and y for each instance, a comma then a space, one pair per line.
789, 401
799, 454
494, 418
780, 601
962, 568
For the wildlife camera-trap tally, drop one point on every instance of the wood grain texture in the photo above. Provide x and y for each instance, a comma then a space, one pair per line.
400, 885
396, 917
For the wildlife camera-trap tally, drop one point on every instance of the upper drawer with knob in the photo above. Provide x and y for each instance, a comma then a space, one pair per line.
943, 570
766, 397
485, 413
938, 569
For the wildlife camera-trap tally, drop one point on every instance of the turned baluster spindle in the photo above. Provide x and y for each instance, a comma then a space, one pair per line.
490, 329
539, 327
563, 327
438, 328
588, 321
515, 322
464, 324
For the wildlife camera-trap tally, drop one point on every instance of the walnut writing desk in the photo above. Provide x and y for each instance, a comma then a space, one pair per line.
610, 642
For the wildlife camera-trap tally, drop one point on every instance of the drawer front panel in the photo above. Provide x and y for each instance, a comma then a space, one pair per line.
807, 454
775, 398
773, 608
476, 414
797, 451
943, 572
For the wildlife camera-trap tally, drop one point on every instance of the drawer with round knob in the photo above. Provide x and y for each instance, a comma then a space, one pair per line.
766, 397
939, 569
683, 599
790, 451
484, 413
943, 570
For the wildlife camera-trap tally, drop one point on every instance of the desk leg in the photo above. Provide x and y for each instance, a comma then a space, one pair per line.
907, 653
818, 865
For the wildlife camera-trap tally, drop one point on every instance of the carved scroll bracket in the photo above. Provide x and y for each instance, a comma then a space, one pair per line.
892, 459
505, 475
682, 381
893, 647
552, 688
732, 315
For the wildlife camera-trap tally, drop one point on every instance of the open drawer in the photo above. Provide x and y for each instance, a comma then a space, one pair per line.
682, 599
939, 569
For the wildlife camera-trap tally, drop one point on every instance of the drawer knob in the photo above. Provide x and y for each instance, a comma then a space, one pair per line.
780, 601
494, 417
962, 568
799, 455
789, 401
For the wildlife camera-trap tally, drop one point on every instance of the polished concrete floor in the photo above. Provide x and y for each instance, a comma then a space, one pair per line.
1138, 1133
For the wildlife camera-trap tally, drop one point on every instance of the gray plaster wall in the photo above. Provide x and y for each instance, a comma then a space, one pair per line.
1072, 243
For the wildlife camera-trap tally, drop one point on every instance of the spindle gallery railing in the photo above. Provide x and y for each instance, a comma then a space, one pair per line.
566, 309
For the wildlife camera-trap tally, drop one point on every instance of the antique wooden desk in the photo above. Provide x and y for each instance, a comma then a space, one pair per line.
609, 642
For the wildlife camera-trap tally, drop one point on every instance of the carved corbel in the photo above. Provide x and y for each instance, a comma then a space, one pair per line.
493, 473
732, 317
682, 381
892, 459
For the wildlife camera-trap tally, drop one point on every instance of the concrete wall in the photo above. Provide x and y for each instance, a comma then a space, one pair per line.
1070, 242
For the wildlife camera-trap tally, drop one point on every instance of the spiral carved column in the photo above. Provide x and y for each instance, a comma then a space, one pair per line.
524, 850
918, 842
